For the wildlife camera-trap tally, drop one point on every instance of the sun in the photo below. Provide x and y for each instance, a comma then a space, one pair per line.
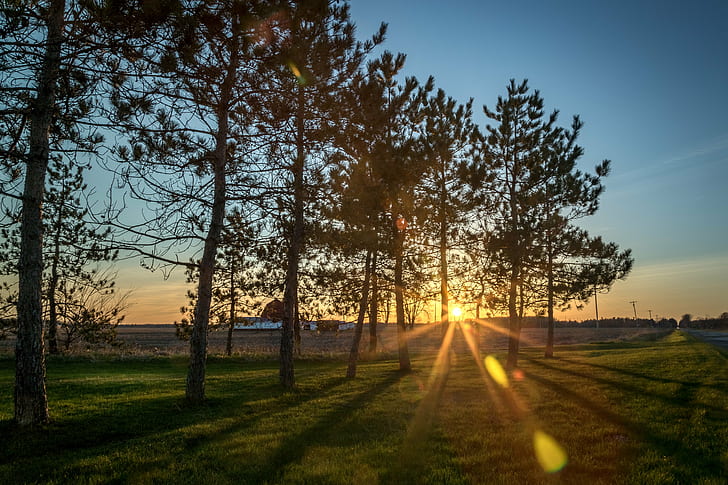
457, 311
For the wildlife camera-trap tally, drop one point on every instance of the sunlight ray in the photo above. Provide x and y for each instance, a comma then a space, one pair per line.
550, 455
426, 408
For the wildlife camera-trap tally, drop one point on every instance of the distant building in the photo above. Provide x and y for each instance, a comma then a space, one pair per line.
256, 323
273, 311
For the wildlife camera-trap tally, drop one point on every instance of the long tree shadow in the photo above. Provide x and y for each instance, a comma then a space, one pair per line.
329, 428
618, 370
132, 415
655, 436
246, 445
685, 393
242, 415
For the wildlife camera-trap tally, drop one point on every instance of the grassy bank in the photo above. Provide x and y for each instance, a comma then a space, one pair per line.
650, 411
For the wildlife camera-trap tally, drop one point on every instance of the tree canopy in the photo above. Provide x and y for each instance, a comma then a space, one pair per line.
263, 147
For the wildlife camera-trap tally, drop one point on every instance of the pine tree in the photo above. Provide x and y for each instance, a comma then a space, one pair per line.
361, 208
399, 167
31, 404
183, 97
357, 209
448, 134
74, 249
319, 57
567, 194
47, 85
515, 149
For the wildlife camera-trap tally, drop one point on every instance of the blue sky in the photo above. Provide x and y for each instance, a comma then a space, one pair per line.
648, 78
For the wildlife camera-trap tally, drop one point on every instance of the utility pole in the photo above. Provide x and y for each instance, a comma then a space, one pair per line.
634, 308
650, 314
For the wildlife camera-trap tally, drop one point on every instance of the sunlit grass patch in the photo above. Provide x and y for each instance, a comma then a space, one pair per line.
626, 412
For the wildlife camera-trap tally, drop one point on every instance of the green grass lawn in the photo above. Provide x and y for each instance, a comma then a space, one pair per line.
649, 411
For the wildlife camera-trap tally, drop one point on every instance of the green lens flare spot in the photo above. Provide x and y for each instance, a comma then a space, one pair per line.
549, 453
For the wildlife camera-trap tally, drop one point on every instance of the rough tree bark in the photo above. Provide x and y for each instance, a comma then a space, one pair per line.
549, 352
514, 330
31, 402
290, 295
52, 286
195, 388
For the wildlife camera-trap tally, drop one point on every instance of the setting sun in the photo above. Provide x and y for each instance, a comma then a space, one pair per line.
339, 241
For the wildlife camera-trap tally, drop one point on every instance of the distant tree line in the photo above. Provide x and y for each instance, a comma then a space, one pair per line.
614, 322
621, 322
265, 148
720, 323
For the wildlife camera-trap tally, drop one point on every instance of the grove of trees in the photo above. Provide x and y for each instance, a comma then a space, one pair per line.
263, 147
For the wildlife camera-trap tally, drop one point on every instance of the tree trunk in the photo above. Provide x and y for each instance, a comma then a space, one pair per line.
354, 353
297, 332
550, 297
195, 390
229, 344
514, 325
404, 359
290, 295
387, 309
514, 330
444, 298
53, 285
31, 402
373, 306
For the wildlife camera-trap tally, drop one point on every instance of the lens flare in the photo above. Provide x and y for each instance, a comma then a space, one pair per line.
297, 72
549, 453
496, 371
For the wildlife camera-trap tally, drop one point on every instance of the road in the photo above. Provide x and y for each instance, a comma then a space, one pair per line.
719, 338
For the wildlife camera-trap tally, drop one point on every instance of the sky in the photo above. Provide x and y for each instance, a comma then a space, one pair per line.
648, 78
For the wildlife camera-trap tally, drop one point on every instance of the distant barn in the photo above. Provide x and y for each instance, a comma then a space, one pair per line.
273, 311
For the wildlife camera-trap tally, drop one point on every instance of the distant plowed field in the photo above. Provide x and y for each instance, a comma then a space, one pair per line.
161, 339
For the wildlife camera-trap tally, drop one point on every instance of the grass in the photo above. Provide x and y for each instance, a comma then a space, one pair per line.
645, 411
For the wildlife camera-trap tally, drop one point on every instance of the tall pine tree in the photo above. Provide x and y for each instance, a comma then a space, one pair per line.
514, 147
318, 58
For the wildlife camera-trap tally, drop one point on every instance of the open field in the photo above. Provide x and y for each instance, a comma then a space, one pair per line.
651, 410
161, 340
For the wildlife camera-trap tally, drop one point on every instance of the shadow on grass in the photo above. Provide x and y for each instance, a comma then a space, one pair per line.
330, 428
685, 393
660, 422
100, 415
250, 430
